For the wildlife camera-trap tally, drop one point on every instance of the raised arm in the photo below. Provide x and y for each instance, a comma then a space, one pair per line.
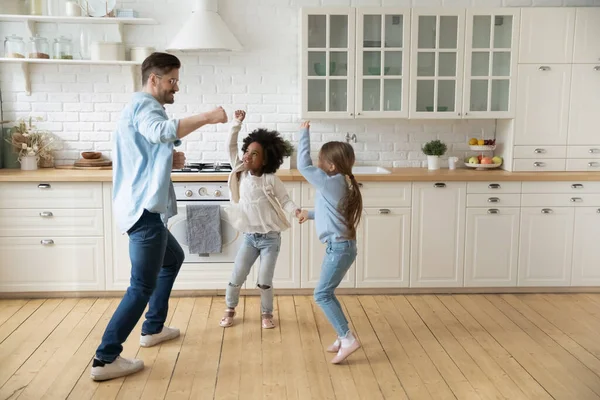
232, 142
315, 176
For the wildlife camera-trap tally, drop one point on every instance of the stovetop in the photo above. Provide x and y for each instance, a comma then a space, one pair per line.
205, 168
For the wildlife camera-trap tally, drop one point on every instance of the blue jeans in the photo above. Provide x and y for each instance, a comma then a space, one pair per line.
267, 246
156, 258
338, 260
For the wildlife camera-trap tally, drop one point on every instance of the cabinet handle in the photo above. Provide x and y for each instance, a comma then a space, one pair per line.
577, 186
459, 114
493, 211
539, 151
598, 211
351, 114
544, 68
44, 186
46, 214
576, 199
439, 185
493, 200
538, 164
357, 113
597, 68
384, 211
593, 151
47, 242
547, 211
592, 164
493, 186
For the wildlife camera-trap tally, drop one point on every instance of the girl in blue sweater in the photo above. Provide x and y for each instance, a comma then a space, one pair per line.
338, 207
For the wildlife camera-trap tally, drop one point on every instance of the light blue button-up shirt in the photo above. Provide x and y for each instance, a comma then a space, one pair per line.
142, 161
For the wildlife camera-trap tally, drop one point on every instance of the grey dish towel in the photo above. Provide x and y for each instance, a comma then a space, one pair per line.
204, 229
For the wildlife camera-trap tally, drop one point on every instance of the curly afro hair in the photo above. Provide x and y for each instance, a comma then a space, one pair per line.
274, 146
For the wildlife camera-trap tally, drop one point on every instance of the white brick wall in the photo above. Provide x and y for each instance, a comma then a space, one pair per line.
82, 103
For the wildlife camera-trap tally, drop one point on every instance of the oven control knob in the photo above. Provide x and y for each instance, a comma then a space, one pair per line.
188, 193
202, 191
217, 193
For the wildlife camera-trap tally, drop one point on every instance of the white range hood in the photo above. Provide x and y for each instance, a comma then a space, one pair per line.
204, 31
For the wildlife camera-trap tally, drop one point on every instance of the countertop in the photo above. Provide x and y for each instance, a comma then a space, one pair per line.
397, 175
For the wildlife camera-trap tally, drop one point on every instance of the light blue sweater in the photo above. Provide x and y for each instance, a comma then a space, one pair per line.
330, 191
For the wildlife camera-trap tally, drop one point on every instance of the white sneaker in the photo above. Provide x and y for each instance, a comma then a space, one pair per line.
116, 369
167, 333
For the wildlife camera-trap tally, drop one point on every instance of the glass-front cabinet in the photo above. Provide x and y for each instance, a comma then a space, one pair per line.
491, 63
382, 62
327, 62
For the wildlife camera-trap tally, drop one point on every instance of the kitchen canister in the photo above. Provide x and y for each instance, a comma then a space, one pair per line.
108, 51
140, 53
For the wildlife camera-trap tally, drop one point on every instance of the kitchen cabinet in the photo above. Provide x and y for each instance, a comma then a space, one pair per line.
586, 48
383, 242
547, 35
584, 104
438, 234
586, 252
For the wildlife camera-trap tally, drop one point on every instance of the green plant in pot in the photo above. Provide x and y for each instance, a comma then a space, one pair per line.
434, 150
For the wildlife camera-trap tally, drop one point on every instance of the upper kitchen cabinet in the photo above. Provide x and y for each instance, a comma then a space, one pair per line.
327, 62
436, 67
547, 35
491, 63
587, 31
382, 62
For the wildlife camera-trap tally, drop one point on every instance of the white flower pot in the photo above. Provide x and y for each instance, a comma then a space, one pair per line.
433, 162
29, 163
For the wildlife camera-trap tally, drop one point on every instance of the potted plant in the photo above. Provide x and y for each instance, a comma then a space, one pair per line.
32, 145
433, 150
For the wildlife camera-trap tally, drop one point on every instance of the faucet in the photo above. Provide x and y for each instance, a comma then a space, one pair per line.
350, 138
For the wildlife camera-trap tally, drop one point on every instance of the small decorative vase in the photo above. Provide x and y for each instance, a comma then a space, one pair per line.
433, 162
29, 163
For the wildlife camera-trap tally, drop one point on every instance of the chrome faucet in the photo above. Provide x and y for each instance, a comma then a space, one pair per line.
350, 138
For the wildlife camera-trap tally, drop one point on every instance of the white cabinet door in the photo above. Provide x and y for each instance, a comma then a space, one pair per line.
436, 65
543, 97
587, 31
327, 62
313, 253
546, 246
491, 63
547, 35
492, 247
586, 252
383, 248
438, 234
584, 117
382, 62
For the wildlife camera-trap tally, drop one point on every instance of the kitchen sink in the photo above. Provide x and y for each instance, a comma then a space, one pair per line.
368, 170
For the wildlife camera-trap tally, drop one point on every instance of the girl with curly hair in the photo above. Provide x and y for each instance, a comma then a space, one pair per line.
259, 210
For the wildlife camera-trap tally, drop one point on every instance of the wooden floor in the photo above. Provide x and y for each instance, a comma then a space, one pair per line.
414, 347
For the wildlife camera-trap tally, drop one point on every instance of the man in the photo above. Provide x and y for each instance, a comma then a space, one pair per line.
144, 199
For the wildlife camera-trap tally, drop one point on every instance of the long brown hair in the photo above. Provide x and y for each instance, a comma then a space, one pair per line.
341, 154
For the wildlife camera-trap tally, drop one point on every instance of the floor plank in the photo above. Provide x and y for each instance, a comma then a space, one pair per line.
230, 368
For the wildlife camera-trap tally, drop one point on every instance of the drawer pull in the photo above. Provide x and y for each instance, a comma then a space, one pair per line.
597, 68
577, 186
439, 185
44, 186
598, 211
593, 151
547, 211
493, 200
47, 242
576, 199
493, 186
384, 211
46, 214
538, 164
592, 164
493, 211
544, 68
539, 151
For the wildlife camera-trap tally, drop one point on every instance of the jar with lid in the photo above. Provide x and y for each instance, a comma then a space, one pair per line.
14, 47
39, 47
63, 48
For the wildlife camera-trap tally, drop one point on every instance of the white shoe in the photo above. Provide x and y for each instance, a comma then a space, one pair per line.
164, 335
116, 369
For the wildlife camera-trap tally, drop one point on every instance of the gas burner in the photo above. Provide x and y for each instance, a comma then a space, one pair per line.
206, 168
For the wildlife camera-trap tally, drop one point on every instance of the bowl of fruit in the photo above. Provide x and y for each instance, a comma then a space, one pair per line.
481, 163
482, 144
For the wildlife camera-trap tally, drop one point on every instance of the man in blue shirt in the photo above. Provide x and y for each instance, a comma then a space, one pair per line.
144, 199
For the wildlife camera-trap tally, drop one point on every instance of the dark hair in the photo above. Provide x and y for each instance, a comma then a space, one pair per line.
159, 63
275, 148
341, 155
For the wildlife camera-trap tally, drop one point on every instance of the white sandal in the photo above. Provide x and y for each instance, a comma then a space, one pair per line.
267, 321
227, 319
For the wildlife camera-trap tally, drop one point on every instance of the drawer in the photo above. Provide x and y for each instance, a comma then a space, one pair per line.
539, 165
592, 152
583, 165
540, 152
374, 194
493, 187
50, 195
561, 187
560, 200
493, 200
51, 222
66, 264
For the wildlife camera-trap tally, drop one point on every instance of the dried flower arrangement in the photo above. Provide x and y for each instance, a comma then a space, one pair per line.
29, 141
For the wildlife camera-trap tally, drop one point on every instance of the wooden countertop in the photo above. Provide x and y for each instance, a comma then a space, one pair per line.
397, 175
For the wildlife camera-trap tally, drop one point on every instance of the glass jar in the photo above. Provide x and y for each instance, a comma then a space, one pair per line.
63, 48
36, 7
14, 47
39, 47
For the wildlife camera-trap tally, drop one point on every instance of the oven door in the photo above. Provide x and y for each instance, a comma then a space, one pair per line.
231, 237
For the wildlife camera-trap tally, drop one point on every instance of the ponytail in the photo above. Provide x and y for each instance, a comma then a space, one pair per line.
351, 206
